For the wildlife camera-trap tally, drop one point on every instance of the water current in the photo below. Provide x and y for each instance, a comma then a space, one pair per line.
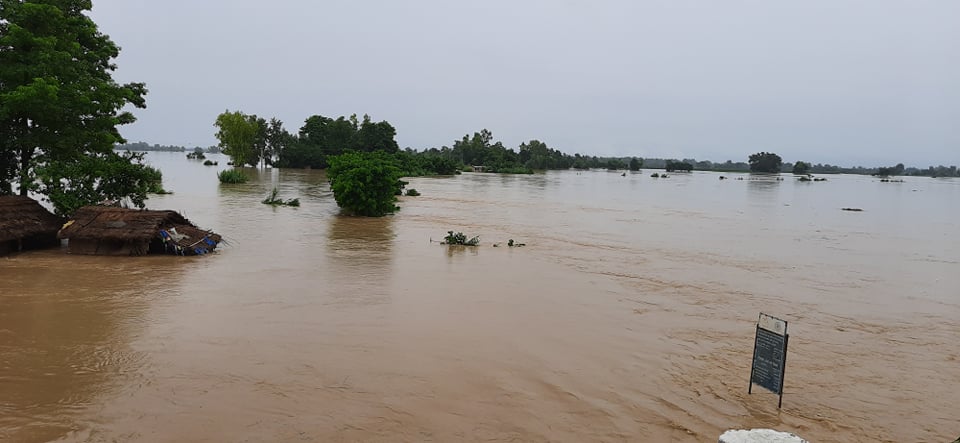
628, 316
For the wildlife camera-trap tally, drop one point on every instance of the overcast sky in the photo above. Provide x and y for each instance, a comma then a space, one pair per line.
846, 82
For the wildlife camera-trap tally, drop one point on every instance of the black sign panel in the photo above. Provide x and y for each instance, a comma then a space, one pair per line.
769, 355
768, 359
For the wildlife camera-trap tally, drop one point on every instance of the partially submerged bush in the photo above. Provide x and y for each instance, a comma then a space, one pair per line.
413, 192
274, 200
209, 163
365, 183
459, 238
232, 176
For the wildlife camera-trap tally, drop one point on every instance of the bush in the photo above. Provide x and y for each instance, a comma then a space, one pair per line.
232, 176
459, 238
413, 192
365, 183
209, 163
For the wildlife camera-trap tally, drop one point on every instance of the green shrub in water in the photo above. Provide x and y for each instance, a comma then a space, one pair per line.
232, 176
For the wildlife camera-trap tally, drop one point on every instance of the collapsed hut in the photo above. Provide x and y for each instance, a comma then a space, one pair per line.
104, 230
24, 224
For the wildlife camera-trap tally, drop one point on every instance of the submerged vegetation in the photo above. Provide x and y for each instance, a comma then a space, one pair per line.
458, 238
365, 183
232, 176
274, 199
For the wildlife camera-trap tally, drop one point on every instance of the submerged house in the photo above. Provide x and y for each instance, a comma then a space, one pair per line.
106, 230
24, 224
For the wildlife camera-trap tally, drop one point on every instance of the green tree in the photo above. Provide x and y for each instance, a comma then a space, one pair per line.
673, 165
893, 170
636, 164
365, 183
106, 176
801, 168
59, 104
375, 136
765, 162
278, 140
238, 135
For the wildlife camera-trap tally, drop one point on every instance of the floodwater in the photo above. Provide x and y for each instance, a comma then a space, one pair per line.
629, 315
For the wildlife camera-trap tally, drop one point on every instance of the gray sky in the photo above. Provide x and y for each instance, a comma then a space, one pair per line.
846, 82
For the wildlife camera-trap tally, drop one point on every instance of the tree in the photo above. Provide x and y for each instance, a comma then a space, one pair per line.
801, 168
673, 165
238, 134
379, 136
365, 183
891, 171
59, 104
278, 140
765, 162
98, 177
636, 164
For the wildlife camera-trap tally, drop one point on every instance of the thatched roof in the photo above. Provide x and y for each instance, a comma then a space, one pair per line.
121, 224
23, 216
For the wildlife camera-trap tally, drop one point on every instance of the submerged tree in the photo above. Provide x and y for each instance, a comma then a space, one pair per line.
238, 134
801, 168
60, 107
365, 183
765, 162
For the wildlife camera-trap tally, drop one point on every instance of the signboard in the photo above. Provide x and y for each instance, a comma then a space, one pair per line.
769, 355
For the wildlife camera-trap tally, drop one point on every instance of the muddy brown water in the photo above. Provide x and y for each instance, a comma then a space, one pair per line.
629, 315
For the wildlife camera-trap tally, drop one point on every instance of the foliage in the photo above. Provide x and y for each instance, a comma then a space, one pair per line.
672, 166
614, 164
636, 164
232, 176
323, 137
765, 162
365, 183
458, 238
801, 168
209, 163
96, 178
413, 192
274, 199
890, 171
238, 134
60, 107
536, 155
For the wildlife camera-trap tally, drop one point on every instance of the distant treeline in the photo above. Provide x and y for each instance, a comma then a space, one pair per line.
818, 168
143, 147
250, 140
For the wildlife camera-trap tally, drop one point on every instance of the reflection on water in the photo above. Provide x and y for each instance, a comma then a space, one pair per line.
628, 317
360, 255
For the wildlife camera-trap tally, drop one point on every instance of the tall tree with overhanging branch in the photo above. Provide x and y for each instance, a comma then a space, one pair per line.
60, 107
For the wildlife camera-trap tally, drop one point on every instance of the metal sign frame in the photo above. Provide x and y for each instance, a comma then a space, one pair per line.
770, 325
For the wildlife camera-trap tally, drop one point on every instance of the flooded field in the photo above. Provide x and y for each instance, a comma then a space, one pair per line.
629, 315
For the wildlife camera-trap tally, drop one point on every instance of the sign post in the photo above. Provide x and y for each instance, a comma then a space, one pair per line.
769, 355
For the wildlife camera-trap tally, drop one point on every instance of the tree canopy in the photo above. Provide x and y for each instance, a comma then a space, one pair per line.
365, 183
241, 136
673, 165
765, 162
60, 107
801, 168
